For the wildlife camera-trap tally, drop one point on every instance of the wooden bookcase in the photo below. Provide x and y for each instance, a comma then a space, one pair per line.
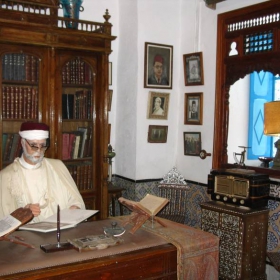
59, 76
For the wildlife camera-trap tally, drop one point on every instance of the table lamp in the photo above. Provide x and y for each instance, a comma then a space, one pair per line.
272, 126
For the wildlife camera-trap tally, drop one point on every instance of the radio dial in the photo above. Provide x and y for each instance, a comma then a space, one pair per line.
242, 201
218, 197
225, 198
234, 199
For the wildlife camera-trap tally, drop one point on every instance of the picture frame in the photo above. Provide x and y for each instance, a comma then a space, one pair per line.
193, 108
192, 143
157, 133
110, 96
110, 73
158, 104
158, 65
193, 69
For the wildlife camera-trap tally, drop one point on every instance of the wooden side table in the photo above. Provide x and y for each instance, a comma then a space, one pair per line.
114, 193
243, 237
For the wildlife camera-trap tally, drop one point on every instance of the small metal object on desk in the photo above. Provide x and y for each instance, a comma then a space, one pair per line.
114, 230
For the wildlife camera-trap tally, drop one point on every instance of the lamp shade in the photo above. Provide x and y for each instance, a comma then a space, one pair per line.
272, 118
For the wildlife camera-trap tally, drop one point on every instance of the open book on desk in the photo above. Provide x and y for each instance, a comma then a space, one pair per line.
68, 218
145, 209
150, 205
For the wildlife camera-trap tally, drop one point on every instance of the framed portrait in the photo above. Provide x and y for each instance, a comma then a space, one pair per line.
192, 143
193, 108
158, 104
110, 96
158, 66
193, 69
110, 74
157, 133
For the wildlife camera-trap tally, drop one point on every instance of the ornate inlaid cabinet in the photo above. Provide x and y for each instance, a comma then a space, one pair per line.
55, 70
243, 238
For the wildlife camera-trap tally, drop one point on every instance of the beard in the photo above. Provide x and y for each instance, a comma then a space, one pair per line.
35, 158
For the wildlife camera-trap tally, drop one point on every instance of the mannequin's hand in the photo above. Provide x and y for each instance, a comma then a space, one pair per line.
35, 208
74, 207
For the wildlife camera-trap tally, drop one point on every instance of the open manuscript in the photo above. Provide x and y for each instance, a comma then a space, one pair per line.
12, 222
146, 208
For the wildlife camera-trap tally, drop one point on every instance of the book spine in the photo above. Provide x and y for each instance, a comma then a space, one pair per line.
16, 109
12, 102
68, 73
14, 147
24, 103
79, 177
20, 102
4, 102
5, 67
15, 67
8, 102
36, 103
8, 146
89, 177
89, 104
85, 176
33, 69
82, 72
65, 147
33, 106
4, 141
22, 67
72, 71
28, 105
27, 68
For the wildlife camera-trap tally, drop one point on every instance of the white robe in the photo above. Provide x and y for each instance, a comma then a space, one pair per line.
49, 185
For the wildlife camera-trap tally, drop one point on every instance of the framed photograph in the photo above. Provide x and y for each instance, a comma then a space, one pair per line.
110, 74
158, 66
110, 96
193, 69
192, 143
158, 103
157, 133
193, 108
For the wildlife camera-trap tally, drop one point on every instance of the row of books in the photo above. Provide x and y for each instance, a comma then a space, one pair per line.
76, 71
77, 144
11, 146
19, 102
82, 174
77, 105
20, 67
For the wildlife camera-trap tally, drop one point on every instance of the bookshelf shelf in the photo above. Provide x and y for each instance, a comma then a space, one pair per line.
46, 78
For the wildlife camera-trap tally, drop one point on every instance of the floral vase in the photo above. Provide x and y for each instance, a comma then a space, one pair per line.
71, 9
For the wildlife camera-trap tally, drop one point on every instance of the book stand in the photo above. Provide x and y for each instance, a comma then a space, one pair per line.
138, 217
24, 215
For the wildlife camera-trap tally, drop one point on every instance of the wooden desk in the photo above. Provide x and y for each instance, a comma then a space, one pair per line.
114, 193
142, 255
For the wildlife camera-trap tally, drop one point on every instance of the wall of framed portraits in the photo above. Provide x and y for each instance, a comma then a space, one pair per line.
177, 38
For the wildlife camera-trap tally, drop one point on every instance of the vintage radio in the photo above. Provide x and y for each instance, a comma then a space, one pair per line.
239, 186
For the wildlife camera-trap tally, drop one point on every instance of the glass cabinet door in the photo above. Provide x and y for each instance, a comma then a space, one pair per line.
77, 125
20, 95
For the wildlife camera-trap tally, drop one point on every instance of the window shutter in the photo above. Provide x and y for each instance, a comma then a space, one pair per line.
261, 91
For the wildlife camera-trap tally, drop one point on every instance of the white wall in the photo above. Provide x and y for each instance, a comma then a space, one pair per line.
189, 26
